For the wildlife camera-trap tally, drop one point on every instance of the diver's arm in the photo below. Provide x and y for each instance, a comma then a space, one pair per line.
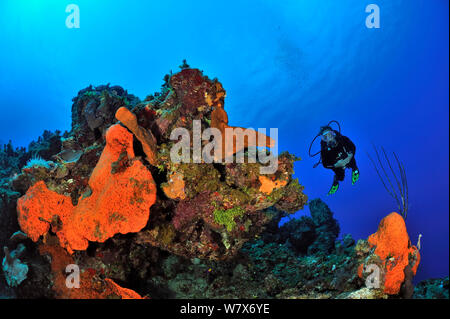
345, 161
349, 148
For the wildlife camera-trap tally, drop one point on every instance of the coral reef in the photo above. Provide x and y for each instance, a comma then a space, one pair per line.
263, 268
217, 206
91, 286
46, 145
93, 111
107, 198
8, 216
12, 160
436, 288
310, 235
98, 181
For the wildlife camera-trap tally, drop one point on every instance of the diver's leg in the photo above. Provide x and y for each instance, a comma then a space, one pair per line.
355, 170
339, 174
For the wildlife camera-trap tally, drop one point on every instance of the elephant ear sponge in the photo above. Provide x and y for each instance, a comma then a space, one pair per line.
39, 208
122, 192
394, 249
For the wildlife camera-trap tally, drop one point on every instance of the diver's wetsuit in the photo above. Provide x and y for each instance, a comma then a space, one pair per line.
332, 154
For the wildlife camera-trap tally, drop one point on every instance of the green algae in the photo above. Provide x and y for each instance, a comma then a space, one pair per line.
226, 217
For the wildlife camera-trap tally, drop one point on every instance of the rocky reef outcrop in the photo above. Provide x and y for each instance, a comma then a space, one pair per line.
110, 183
435, 288
107, 202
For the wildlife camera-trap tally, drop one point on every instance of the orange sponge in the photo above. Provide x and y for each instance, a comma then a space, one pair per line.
39, 208
119, 202
147, 139
219, 120
394, 249
124, 293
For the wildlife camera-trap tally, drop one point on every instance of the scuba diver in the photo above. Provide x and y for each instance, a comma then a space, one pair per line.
337, 152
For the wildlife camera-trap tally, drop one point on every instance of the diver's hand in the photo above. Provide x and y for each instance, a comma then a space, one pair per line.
340, 163
344, 162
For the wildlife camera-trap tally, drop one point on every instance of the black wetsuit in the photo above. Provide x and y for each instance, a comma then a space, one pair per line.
332, 154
